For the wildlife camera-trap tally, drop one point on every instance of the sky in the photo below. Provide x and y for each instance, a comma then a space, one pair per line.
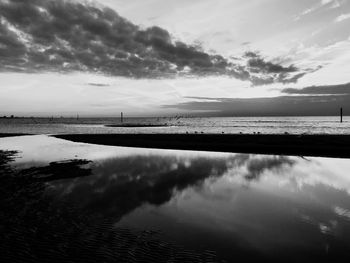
164, 57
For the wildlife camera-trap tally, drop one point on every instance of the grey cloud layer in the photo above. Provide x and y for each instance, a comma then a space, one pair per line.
320, 90
64, 36
312, 105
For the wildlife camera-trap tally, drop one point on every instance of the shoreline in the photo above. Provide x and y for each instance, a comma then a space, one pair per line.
136, 125
335, 146
3, 135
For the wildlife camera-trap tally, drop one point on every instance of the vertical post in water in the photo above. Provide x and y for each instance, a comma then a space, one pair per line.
121, 117
341, 114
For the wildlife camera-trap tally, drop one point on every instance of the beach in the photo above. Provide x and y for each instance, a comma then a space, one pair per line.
167, 131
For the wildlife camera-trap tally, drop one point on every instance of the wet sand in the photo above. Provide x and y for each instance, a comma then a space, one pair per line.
337, 146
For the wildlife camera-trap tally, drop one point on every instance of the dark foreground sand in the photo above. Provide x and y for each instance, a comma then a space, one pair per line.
298, 145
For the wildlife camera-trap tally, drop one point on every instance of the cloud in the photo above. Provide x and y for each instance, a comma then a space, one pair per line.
309, 105
326, 2
321, 4
333, 3
342, 18
98, 84
257, 64
320, 90
266, 72
66, 36
71, 35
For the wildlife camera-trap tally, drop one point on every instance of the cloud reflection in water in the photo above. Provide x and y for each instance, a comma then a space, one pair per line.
249, 204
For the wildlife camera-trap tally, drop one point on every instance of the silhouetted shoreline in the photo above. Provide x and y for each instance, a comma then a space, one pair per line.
2, 135
337, 146
136, 125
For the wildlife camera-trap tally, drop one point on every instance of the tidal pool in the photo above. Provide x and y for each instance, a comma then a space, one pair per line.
231, 207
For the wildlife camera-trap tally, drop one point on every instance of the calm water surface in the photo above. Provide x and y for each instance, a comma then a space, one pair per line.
265, 125
240, 206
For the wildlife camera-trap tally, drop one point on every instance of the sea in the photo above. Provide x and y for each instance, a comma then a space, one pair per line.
179, 124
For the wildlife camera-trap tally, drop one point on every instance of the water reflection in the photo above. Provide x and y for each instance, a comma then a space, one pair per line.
256, 167
120, 185
241, 206
36, 226
234, 200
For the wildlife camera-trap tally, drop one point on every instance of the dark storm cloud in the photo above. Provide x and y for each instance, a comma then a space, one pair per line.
320, 90
64, 36
313, 105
